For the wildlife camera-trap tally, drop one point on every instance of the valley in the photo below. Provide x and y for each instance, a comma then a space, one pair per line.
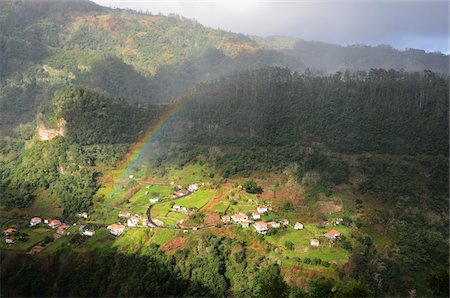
147, 155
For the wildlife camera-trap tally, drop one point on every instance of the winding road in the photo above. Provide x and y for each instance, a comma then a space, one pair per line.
154, 225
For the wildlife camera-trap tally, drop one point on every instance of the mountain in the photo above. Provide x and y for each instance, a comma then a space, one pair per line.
150, 137
149, 58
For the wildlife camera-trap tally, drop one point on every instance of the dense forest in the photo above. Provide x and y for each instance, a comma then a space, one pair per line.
376, 111
147, 58
216, 267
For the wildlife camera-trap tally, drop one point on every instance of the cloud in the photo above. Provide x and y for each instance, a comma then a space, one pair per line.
403, 24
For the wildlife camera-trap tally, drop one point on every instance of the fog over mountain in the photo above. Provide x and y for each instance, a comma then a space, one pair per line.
402, 24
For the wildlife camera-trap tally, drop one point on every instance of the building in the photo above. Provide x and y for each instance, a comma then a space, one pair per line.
314, 243
54, 223
226, 218
245, 223
82, 214
239, 217
62, 230
332, 235
274, 224
192, 187
131, 176
116, 229
124, 214
285, 222
256, 215
9, 231
35, 221
88, 233
298, 226
47, 221
176, 208
261, 227
262, 209
154, 200
9, 240
134, 221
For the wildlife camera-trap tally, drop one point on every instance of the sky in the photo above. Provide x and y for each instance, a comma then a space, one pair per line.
399, 23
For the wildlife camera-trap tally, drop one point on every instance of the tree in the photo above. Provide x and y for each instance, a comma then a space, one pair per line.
438, 283
322, 287
289, 245
250, 186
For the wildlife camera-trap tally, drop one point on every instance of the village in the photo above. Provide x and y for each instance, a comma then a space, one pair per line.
181, 204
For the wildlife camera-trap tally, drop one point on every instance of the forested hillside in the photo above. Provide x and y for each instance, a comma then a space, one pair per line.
377, 111
148, 58
346, 139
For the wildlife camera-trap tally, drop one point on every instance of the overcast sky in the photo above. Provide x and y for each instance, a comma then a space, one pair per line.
402, 24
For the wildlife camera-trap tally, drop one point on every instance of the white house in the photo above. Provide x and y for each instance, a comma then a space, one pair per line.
35, 221
154, 200
262, 209
54, 223
124, 214
116, 229
146, 193
298, 226
256, 215
192, 187
261, 227
226, 218
10, 240
314, 243
134, 221
245, 223
131, 176
176, 208
239, 217
274, 224
285, 222
82, 214
62, 229
89, 233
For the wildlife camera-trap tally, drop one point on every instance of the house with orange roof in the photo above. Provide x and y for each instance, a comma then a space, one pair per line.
116, 229
226, 218
245, 223
124, 214
54, 223
332, 235
239, 217
261, 227
35, 221
62, 229
9, 231
262, 209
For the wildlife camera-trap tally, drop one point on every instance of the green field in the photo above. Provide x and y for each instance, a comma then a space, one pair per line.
161, 236
35, 235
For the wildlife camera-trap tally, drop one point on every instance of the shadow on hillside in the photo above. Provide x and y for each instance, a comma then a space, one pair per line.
91, 275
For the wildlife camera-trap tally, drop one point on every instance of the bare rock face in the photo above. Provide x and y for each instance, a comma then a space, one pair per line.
46, 134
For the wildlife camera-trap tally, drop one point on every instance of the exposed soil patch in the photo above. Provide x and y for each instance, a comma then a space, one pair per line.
223, 231
211, 205
327, 207
277, 197
173, 243
212, 219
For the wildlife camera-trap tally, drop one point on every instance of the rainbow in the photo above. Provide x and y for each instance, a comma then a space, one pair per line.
133, 155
